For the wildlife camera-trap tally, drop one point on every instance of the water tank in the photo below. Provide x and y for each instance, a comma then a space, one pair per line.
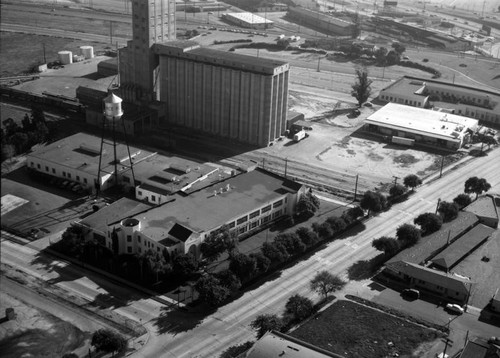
87, 51
65, 57
130, 225
113, 107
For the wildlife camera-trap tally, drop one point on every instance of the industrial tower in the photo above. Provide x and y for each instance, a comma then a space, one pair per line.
111, 119
153, 21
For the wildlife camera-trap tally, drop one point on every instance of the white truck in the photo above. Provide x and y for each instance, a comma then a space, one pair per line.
297, 137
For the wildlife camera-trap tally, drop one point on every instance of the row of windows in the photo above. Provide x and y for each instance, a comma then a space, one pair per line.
146, 243
64, 174
256, 213
254, 224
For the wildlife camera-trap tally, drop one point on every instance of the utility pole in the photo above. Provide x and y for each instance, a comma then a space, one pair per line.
442, 165
355, 187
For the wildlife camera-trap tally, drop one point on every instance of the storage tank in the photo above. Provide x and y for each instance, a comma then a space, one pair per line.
87, 51
65, 57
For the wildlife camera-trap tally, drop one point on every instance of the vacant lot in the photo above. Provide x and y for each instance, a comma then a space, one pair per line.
356, 331
36, 333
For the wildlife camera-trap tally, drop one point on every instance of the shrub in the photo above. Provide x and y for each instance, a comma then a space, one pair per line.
428, 222
448, 211
408, 235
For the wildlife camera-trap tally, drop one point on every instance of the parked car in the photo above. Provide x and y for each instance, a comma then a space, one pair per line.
411, 293
453, 307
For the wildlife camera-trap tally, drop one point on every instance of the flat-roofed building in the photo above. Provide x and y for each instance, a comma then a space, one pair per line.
244, 203
76, 158
325, 23
473, 102
248, 20
233, 96
486, 209
412, 125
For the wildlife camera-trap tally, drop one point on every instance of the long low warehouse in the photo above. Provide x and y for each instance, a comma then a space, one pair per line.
411, 125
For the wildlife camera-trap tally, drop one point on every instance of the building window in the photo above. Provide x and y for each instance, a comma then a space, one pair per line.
53, 171
69, 175
277, 214
139, 250
64, 174
129, 238
277, 204
46, 168
139, 192
231, 225
78, 178
38, 166
85, 180
241, 220
254, 214
138, 239
129, 249
32, 164
265, 209
254, 224
153, 198
242, 229
158, 249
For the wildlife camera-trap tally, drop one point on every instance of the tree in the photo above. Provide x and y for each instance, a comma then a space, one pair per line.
428, 222
275, 252
211, 291
266, 322
105, 340
448, 211
307, 236
361, 89
324, 283
337, 224
408, 235
380, 54
291, 242
184, 265
397, 190
26, 123
476, 185
299, 307
216, 243
324, 230
412, 181
388, 245
237, 350
352, 214
243, 266
488, 140
307, 205
373, 201
229, 280
392, 58
262, 262
462, 200
398, 48
20, 141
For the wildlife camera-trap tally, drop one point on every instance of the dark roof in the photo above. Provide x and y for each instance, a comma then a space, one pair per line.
428, 246
483, 207
320, 16
180, 232
219, 58
454, 253
475, 349
435, 277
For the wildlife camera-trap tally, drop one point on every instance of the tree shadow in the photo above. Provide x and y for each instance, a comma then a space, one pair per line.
172, 320
364, 269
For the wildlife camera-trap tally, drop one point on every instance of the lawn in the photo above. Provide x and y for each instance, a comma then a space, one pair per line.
356, 331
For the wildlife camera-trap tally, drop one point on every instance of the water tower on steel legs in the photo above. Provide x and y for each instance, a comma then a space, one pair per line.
111, 120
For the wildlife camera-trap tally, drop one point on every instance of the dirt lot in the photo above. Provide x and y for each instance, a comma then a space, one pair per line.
356, 331
36, 333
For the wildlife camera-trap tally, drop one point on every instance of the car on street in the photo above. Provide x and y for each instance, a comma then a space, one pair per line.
454, 308
411, 293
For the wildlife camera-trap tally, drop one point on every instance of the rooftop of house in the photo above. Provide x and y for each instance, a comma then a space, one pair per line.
480, 348
429, 245
485, 207
81, 152
275, 345
215, 205
192, 51
462, 246
439, 278
422, 121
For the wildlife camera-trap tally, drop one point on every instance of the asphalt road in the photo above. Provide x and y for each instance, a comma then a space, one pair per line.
187, 334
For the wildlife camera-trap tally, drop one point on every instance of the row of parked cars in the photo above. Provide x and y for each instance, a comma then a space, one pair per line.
67, 184
414, 294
